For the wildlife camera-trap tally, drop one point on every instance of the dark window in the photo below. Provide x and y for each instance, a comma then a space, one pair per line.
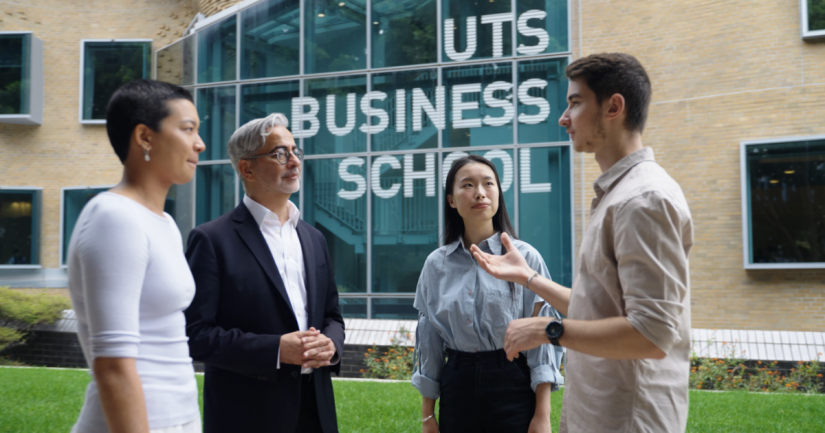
106, 67
14, 74
19, 227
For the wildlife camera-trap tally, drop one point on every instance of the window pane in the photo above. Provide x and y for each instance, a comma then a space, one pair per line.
353, 308
261, 100
217, 51
501, 158
413, 135
341, 132
73, 202
216, 108
336, 35
403, 32
270, 39
215, 192
541, 35
106, 67
786, 190
489, 40
544, 207
816, 15
337, 206
542, 99
404, 219
394, 308
176, 63
15, 61
19, 227
486, 117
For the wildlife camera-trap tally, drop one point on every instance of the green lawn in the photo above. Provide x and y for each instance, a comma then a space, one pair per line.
45, 400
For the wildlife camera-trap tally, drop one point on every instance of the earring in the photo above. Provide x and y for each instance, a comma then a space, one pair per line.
146, 155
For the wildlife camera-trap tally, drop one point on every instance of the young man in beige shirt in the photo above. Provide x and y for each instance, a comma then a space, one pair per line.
628, 314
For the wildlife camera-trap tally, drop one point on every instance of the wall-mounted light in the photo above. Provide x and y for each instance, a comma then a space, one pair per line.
774, 181
790, 171
321, 15
375, 22
342, 4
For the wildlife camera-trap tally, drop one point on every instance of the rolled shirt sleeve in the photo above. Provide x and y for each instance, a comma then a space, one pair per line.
429, 348
652, 265
544, 361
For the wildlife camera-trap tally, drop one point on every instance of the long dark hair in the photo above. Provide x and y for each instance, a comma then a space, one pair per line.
454, 223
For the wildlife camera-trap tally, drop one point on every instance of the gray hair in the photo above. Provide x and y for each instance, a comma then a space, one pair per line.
251, 137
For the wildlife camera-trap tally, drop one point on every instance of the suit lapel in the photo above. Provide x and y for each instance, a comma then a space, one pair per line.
251, 235
309, 268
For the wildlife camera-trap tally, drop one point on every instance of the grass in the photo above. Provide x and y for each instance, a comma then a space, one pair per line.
34, 400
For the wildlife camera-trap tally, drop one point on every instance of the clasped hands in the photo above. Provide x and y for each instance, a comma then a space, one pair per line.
308, 348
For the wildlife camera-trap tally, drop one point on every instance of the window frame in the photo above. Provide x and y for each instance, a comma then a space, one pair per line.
36, 98
746, 229
62, 262
37, 223
808, 34
80, 98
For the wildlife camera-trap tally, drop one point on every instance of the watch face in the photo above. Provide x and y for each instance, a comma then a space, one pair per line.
554, 329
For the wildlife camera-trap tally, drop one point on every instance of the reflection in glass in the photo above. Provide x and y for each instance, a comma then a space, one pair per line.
404, 219
544, 208
217, 51
270, 41
19, 226
73, 202
337, 206
401, 132
403, 32
353, 308
216, 108
541, 27
336, 35
107, 66
394, 309
15, 70
215, 192
542, 98
476, 39
176, 62
485, 114
261, 100
816, 15
786, 202
339, 123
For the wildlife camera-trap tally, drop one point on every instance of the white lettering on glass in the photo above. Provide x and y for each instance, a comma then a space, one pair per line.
375, 175
299, 116
526, 99
331, 125
420, 103
357, 179
400, 110
506, 104
449, 39
428, 175
459, 105
370, 111
497, 20
524, 167
507, 164
525, 30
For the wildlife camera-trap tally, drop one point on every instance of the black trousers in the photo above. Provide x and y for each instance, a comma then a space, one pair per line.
308, 419
484, 392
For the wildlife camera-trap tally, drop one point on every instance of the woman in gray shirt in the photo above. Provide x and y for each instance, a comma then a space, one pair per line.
463, 317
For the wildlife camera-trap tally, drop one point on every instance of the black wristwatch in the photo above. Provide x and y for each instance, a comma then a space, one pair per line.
554, 331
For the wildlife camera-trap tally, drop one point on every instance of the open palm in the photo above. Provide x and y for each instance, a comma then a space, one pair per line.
510, 267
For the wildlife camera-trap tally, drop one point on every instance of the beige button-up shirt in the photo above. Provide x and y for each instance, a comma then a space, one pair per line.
633, 263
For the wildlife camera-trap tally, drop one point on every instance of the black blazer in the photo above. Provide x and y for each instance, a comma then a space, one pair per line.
241, 309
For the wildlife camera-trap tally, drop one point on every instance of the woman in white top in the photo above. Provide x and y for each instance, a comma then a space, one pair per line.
128, 278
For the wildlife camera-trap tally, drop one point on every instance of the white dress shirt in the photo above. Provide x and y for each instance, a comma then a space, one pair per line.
286, 249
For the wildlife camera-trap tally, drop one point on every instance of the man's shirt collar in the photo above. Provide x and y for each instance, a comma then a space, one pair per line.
262, 214
614, 174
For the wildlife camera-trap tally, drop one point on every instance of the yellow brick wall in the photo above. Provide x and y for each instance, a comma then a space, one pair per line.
722, 73
62, 152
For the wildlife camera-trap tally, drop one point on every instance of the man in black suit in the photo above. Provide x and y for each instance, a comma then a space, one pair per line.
265, 318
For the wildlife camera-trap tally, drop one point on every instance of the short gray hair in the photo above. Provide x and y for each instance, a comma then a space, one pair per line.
251, 137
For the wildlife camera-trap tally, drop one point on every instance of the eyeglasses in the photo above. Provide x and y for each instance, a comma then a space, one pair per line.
281, 154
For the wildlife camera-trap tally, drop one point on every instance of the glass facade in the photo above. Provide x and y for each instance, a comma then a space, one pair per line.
15, 70
217, 51
785, 193
19, 227
175, 63
107, 66
379, 141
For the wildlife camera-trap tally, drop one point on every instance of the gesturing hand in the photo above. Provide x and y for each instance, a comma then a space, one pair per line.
525, 334
509, 267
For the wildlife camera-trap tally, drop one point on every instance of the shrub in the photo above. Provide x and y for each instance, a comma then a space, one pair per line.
20, 312
394, 363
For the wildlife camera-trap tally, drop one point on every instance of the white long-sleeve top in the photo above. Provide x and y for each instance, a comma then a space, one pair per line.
129, 283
